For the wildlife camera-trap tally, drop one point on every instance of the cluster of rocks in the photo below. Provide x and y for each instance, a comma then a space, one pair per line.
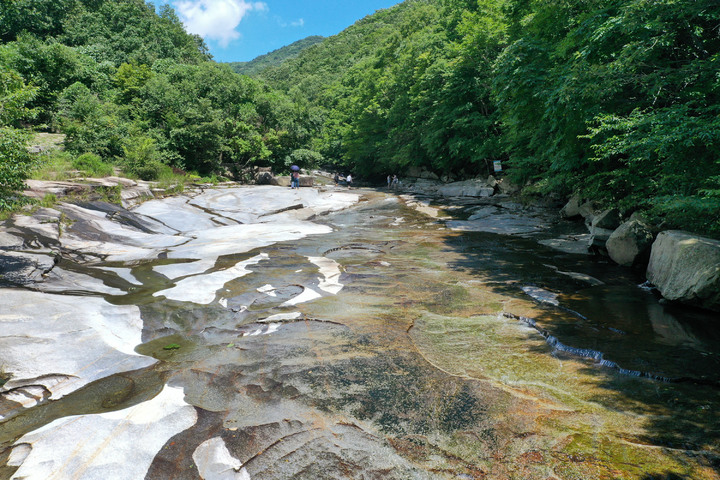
265, 176
426, 182
131, 192
683, 267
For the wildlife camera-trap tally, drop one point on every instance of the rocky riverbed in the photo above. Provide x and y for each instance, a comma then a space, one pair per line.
268, 333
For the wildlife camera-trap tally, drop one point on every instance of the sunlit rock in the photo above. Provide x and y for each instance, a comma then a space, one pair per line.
118, 445
686, 268
630, 243
202, 289
48, 340
214, 461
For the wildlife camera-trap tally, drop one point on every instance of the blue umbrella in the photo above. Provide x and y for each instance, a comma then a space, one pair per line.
295, 168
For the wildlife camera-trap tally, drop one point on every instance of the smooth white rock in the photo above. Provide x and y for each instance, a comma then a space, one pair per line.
281, 317
119, 445
215, 462
330, 270
54, 336
202, 289
306, 296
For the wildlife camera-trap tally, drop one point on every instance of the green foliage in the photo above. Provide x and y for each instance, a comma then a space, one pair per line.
15, 162
142, 158
54, 165
304, 158
14, 96
92, 165
15, 166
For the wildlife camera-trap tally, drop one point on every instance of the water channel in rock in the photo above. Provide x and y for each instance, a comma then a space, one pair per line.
372, 342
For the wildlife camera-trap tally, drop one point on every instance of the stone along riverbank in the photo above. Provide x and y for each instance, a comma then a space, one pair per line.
264, 333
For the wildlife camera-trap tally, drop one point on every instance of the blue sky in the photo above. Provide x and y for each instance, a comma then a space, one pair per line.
240, 30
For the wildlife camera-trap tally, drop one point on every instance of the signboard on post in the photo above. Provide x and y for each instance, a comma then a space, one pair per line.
497, 165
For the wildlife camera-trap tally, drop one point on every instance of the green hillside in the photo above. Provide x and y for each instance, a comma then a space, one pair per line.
276, 57
618, 101
130, 87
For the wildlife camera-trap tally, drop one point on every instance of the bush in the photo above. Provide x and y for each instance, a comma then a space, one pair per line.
92, 165
143, 159
15, 166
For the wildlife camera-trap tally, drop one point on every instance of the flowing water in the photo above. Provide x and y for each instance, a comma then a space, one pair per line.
462, 346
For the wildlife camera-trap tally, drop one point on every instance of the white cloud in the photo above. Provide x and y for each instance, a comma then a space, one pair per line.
300, 22
216, 19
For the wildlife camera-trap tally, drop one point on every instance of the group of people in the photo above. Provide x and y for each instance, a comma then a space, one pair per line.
348, 179
392, 181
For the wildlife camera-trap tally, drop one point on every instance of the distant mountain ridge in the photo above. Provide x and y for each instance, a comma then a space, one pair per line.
276, 57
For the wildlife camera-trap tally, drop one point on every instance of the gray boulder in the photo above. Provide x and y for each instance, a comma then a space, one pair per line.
607, 219
630, 243
428, 175
264, 177
467, 188
506, 187
598, 239
686, 268
571, 208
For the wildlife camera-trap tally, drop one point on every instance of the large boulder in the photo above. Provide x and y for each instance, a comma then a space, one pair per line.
264, 176
467, 188
630, 243
686, 268
607, 219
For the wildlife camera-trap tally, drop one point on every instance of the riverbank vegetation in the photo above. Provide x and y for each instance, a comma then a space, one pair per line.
617, 100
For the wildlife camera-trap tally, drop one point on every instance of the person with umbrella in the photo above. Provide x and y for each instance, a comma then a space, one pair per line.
295, 177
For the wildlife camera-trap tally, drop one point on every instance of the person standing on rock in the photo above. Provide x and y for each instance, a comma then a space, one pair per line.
348, 179
295, 182
395, 182
389, 181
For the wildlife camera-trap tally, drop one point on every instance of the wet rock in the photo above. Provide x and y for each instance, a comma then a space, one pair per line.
686, 268
598, 239
607, 219
630, 243
24, 268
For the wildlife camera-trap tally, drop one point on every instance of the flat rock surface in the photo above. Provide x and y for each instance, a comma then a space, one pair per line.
268, 333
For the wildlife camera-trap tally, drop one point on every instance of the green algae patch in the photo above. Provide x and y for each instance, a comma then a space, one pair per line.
170, 348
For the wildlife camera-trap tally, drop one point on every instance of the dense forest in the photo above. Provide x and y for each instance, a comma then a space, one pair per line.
617, 100
276, 57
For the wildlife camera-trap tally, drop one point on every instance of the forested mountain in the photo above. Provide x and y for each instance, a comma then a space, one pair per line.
618, 100
276, 57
